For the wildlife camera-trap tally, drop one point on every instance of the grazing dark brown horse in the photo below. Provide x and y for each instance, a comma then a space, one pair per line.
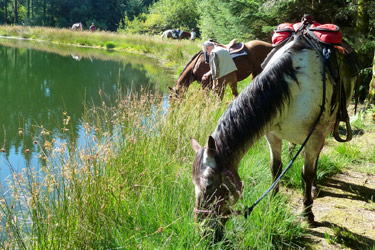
246, 65
283, 102
169, 34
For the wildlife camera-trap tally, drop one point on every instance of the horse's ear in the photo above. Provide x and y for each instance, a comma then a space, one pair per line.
195, 145
211, 146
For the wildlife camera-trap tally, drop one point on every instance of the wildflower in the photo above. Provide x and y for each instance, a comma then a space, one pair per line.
20, 132
27, 151
35, 142
141, 174
160, 230
44, 132
2, 150
48, 145
66, 121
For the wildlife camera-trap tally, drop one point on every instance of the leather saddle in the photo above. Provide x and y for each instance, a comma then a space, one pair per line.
235, 49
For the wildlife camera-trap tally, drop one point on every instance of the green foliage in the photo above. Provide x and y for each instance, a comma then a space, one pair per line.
110, 45
166, 14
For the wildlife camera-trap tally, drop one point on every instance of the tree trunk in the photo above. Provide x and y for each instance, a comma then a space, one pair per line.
15, 11
28, 9
44, 12
5, 11
371, 93
362, 23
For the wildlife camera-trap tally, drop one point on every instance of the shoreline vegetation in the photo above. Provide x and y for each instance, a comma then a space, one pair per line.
171, 53
132, 188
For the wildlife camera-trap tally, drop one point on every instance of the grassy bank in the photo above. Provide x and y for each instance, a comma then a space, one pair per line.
172, 53
131, 187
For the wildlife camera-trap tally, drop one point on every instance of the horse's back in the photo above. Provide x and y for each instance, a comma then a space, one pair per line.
257, 52
306, 93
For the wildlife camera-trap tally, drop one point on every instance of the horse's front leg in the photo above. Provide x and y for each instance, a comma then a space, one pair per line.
232, 79
315, 189
312, 151
275, 145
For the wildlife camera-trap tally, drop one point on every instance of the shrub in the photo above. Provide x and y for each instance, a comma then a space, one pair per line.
110, 45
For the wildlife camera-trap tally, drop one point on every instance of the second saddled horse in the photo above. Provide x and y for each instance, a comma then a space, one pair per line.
247, 63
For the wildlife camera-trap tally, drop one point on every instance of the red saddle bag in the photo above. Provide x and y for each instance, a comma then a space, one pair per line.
326, 33
281, 33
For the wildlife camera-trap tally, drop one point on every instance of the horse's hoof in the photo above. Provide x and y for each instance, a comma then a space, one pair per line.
310, 220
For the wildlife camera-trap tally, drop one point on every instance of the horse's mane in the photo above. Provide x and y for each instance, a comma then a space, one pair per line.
247, 116
192, 59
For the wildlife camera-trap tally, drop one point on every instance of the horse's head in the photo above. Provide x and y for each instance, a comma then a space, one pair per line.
173, 92
193, 71
216, 187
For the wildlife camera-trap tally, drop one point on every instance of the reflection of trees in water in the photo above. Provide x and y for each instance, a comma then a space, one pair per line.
38, 87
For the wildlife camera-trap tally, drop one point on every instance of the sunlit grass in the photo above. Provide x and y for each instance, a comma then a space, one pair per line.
131, 186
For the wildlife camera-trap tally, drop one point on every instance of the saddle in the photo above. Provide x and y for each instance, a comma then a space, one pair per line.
235, 49
321, 37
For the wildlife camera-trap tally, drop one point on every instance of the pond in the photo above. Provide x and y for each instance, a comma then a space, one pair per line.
43, 84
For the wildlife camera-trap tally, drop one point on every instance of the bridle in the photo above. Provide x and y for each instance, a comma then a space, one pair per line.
224, 189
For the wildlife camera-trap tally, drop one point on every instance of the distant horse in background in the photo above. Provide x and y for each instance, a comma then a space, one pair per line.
171, 33
283, 102
77, 26
249, 63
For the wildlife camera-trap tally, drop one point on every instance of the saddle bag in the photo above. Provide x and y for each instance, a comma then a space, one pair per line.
326, 33
281, 33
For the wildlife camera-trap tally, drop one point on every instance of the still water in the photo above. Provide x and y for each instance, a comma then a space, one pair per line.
39, 88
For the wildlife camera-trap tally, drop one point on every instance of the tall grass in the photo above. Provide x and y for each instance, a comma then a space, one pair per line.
130, 186
170, 52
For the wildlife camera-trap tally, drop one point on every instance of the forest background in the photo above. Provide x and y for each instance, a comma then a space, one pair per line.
220, 20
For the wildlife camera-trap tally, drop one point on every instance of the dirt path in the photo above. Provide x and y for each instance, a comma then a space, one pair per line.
345, 209
345, 212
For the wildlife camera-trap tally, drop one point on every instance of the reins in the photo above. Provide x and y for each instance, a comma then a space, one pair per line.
247, 210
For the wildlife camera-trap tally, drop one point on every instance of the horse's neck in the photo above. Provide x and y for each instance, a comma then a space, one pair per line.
232, 152
186, 77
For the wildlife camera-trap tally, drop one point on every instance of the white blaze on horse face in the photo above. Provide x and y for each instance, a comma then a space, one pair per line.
206, 177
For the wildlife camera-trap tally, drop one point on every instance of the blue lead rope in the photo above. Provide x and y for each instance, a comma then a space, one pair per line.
326, 53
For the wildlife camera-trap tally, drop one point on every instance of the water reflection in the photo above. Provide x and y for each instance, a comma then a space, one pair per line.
39, 89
